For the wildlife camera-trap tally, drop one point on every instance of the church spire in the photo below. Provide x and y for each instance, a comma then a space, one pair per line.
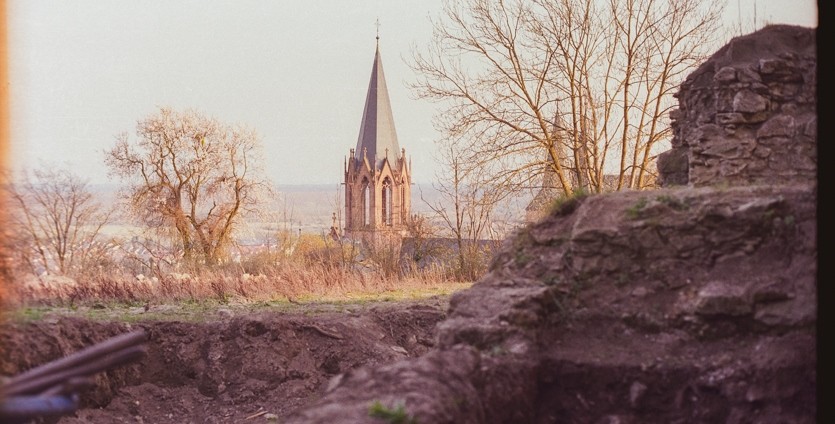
377, 197
377, 134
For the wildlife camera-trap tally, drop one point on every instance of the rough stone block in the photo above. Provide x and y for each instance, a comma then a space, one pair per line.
778, 126
676, 114
811, 128
749, 102
726, 74
762, 152
747, 74
779, 69
730, 118
720, 298
783, 91
782, 314
672, 167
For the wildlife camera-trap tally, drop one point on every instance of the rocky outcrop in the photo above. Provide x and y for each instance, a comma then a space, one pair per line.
695, 304
748, 115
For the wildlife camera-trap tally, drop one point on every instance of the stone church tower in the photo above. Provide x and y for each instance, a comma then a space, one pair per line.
377, 174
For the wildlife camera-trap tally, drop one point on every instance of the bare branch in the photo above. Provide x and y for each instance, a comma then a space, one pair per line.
193, 174
575, 88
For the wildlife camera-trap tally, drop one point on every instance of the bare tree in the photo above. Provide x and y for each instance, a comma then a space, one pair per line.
383, 253
56, 221
466, 207
580, 87
193, 174
420, 233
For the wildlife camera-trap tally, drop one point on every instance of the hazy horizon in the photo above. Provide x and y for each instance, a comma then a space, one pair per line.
308, 207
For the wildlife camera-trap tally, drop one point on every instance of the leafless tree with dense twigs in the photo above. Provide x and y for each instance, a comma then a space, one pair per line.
579, 88
192, 174
55, 222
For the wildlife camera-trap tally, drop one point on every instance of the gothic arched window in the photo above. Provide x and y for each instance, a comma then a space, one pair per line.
366, 202
403, 217
387, 202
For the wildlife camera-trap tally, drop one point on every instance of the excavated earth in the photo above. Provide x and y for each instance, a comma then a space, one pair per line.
229, 367
667, 306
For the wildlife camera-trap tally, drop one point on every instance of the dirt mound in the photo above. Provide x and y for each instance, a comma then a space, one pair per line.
695, 305
227, 369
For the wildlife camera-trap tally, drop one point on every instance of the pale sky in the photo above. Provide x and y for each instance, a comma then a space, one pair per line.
83, 71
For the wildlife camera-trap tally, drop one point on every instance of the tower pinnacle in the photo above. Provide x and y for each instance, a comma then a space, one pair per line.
377, 133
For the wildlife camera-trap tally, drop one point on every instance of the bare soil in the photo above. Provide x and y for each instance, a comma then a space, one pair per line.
232, 367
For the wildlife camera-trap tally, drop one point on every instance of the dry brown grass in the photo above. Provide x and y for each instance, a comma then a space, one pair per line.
287, 280
315, 269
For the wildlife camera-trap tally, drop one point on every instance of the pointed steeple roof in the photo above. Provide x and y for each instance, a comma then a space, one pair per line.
377, 134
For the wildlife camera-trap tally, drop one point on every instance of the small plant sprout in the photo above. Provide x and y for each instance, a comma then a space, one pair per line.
394, 415
566, 204
635, 210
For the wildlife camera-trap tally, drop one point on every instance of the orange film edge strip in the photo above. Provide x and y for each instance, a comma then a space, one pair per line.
4, 139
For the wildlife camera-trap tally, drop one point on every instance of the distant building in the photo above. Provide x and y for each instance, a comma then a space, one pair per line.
576, 174
377, 174
551, 188
548, 192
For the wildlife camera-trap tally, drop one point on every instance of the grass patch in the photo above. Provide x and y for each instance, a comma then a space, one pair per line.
394, 415
304, 282
209, 309
27, 314
634, 211
404, 293
118, 312
672, 202
566, 204
317, 281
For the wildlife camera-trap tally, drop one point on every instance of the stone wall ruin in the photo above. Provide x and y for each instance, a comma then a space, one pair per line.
748, 115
